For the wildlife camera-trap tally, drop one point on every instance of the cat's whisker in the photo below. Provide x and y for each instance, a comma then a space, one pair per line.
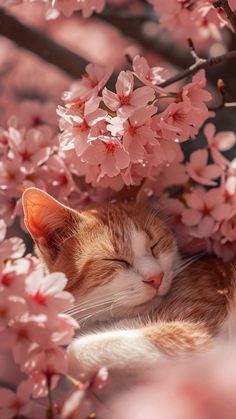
97, 303
91, 307
185, 263
86, 303
97, 299
85, 318
115, 303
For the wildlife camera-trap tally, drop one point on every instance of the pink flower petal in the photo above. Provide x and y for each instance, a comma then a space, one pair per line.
222, 212
195, 201
225, 140
110, 99
206, 227
124, 84
198, 159
6, 397
142, 96
212, 171
191, 217
122, 158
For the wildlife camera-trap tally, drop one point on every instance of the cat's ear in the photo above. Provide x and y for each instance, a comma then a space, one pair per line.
46, 219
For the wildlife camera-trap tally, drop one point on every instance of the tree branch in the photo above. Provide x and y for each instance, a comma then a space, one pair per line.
201, 63
41, 45
229, 13
161, 44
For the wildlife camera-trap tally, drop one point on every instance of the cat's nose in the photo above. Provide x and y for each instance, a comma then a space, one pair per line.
155, 280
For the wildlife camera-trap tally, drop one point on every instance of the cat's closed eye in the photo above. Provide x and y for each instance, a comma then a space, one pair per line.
154, 246
122, 261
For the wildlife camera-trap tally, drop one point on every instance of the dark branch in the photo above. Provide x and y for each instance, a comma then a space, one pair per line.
40, 44
229, 13
160, 44
198, 65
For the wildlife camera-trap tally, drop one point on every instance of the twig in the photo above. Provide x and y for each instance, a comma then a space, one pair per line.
198, 65
193, 50
229, 13
50, 410
40, 44
230, 105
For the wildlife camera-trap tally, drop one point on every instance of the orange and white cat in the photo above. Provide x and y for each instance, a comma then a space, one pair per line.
125, 271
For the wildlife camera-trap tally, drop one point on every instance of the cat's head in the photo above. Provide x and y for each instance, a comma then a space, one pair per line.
117, 257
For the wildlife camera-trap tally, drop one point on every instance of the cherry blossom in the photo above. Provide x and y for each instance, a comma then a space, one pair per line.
109, 153
230, 183
146, 74
199, 169
47, 295
89, 6
136, 131
12, 246
232, 4
196, 91
10, 175
28, 149
67, 7
126, 98
199, 20
205, 210
10, 307
95, 78
32, 328
77, 135
32, 158
180, 121
9, 207
32, 114
15, 404
217, 143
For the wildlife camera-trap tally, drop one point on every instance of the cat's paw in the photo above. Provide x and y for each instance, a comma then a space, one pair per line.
118, 350
85, 356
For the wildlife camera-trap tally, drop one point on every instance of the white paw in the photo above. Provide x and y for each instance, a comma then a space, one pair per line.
85, 355
115, 350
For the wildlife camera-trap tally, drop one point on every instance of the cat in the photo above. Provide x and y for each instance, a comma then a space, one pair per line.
125, 271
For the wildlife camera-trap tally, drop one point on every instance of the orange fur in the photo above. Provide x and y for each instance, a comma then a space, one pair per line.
201, 293
174, 338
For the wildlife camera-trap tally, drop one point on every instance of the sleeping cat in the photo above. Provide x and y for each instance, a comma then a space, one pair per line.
125, 271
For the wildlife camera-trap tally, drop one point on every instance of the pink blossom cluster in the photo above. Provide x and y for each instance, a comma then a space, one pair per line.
29, 156
200, 194
33, 331
121, 137
55, 7
198, 20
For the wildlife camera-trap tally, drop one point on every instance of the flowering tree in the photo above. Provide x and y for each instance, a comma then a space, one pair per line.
142, 118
